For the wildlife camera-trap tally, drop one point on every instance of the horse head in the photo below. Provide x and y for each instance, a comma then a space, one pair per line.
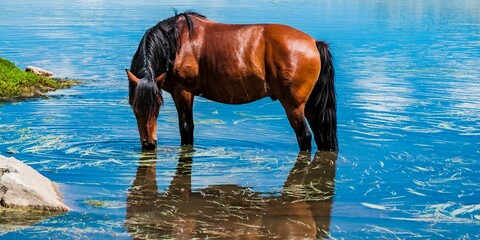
146, 101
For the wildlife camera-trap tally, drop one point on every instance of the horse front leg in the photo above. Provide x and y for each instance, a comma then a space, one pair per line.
184, 103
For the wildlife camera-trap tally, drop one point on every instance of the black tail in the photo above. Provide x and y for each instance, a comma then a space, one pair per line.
323, 102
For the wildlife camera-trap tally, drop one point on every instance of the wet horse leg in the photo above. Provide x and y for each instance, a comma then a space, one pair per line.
184, 104
313, 121
297, 121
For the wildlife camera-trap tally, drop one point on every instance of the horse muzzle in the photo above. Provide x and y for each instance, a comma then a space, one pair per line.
149, 145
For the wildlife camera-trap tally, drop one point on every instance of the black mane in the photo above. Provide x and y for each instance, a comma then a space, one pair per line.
155, 55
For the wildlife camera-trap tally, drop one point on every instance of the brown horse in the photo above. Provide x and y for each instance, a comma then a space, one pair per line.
188, 55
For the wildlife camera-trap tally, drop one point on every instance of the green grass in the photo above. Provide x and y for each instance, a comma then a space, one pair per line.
18, 84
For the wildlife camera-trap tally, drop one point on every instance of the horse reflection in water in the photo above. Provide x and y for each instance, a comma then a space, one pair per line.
301, 210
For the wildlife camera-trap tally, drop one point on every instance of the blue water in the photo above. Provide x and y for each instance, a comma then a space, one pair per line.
408, 86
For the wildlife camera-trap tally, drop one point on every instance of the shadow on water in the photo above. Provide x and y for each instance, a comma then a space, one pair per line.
302, 208
17, 219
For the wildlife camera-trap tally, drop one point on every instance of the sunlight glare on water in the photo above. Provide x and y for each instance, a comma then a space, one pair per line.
408, 92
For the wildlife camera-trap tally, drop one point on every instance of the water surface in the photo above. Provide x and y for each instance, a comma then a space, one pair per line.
408, 111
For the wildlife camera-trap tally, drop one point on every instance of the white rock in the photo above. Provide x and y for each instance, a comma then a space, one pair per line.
23, 187
38, 71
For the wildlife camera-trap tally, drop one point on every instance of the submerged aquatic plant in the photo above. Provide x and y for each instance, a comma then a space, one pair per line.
96, 203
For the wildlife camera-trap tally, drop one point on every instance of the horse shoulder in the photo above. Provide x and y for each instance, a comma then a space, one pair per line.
186, 60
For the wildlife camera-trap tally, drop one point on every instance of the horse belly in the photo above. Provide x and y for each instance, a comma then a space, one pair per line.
235, 89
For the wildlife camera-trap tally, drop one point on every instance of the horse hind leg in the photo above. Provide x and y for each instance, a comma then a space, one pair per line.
296, 118
313, 121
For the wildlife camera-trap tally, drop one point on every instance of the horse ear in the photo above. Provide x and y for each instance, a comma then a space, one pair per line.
160, 78
132, 77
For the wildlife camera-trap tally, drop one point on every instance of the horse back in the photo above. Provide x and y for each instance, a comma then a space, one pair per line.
235, 63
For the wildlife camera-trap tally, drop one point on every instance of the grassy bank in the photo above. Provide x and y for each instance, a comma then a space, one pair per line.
18, 84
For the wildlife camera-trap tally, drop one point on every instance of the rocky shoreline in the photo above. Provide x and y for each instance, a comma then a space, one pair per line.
34, 82
22, 187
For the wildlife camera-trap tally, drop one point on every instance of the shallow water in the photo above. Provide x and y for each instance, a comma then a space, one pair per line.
408, 91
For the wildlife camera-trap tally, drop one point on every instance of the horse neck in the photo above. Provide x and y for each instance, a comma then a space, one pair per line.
150, 61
